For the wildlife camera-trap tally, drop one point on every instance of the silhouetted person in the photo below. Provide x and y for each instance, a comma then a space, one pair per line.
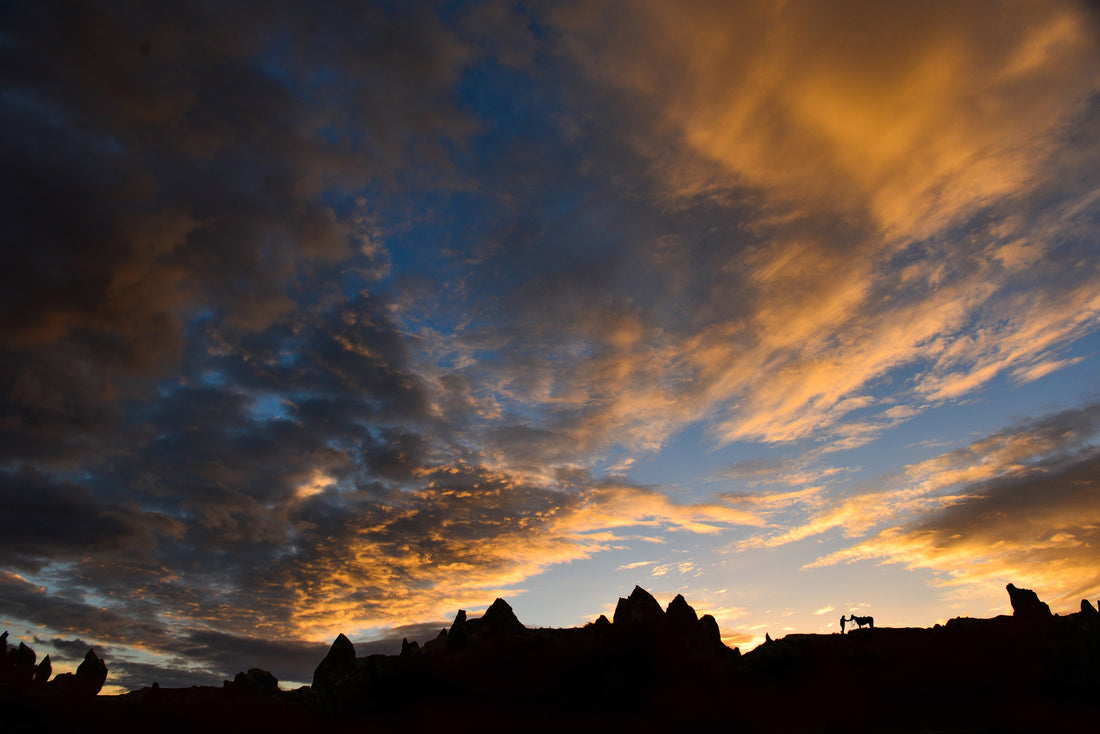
842, 621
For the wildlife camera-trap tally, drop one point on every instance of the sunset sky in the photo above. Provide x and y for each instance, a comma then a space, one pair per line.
343, 318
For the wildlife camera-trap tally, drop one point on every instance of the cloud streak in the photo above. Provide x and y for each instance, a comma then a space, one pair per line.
1022, 505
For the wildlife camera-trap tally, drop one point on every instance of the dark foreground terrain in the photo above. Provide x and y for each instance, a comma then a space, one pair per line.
647, 670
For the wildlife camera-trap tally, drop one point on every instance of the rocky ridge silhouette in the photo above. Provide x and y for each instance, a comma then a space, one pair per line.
647, 670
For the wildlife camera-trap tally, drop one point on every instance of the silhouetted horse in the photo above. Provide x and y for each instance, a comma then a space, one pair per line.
863, 621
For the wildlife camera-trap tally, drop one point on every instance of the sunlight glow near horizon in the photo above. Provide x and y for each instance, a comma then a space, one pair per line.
782, 307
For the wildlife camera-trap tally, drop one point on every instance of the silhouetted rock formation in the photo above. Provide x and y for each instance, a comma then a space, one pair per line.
438, 644
256, 682
18, 671
639, 609
88, 680
651, 670
498, 619
680, 615
712, 635
1088, 609
42, 672
1026, 604
459, 633
22, 662
338, 664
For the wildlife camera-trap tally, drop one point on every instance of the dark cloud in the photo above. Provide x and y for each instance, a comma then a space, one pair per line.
189, 202
166, 162
135, 624
131, 676
287, 659
74, 649
60, 521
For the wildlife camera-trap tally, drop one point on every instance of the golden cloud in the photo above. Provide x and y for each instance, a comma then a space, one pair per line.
869, 136
1029, 512
448, 547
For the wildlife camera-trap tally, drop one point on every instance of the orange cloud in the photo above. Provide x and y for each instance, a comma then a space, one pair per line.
1029, 512
912, 113
868, 138
454, 546
928, 487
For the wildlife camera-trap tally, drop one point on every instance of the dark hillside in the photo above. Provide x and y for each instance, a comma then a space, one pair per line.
648, 670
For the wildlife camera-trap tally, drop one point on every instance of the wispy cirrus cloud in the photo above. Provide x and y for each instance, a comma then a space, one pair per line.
1017, 504
868, 179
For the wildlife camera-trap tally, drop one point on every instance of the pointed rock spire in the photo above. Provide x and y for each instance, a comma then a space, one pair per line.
638, 608
42, 672
459, 632
500, 618
91, 674
1026, 604
22, 662
337, 665
679, 612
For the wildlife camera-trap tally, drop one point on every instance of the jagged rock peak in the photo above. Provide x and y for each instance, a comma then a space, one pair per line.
460, 620
23, 658
499, 616
256, 681
638, 608
1088, 609
1026, 604
338, 664
459, 632
712, 635
92, 673
680, 611
43, 670
87, 681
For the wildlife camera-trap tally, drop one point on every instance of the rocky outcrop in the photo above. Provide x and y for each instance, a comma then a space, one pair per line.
42, 671
1026, 605
680, 614
639, 609
18, 670
459, 633
1088, 610
499, 619
712, 635
88, 680
338, 664
652, 670
21, 661
17, 666
438, 644
256, 681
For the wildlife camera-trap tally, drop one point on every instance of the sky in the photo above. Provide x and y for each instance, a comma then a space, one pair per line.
340, 317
